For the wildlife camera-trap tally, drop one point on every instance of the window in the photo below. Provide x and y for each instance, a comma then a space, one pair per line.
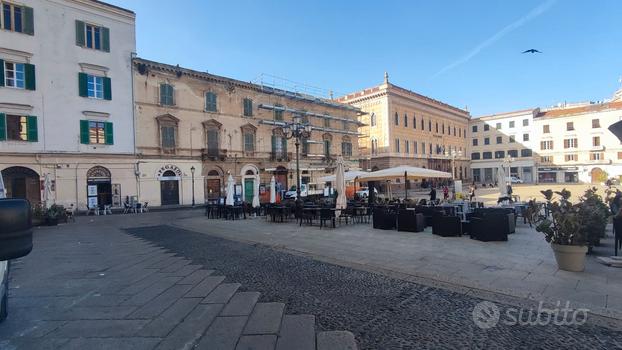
373, 119
249, 141
305, 146
397, 145
326, 122
595, 123
95, 86
486, 140
546, 129
525, 137
210, 102
374, 146
513, 153
475, 156
571, 157
92, 36
512, 139
327, 148
407, 146
459, 132
279, 146
544, 145
213, 140
346, 148
443, 129
167, 95
14, 75
414, 122
405, 120
499, 154
570, 143
397, 119
511, 124
474, 128
487, 155
168, 137
344, 125
97, 133
17, 18
486, 127
619, 155
422, 124
498, 126
499, 140
476, 175
415, 147
18, 128
429, 125
569, 126
596, 141
248, 107
422, 147
525, 122
475, 142
430, 148
437, 127
17, 75
526, 152
596, 156
454, 131
546, 159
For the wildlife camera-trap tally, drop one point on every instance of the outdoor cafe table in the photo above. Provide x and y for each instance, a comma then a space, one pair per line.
278, 210
234, 211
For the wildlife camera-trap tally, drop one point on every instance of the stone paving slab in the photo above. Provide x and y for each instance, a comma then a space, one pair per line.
256, 342
202, 289
241, 304
223, 333
221, 294
296, 333
265, 319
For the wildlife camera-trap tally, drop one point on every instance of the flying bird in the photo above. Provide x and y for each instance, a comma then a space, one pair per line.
532, 51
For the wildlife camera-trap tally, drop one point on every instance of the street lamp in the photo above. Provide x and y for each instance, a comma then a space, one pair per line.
453, 154
192, 169
508, 160
297, 130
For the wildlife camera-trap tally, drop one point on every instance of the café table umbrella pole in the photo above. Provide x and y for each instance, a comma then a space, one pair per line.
272, 190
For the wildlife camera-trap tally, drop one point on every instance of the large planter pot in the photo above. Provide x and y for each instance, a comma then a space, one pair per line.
570, 257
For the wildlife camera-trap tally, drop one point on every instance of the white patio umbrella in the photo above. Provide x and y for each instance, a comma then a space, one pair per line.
256, 192
404, 172
47, 190
340, 187
2, 188
272, 190
229, 190
348, 176
503, 190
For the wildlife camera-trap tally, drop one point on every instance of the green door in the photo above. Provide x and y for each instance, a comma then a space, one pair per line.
248, 190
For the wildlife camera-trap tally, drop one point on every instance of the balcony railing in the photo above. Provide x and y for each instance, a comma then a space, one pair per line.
214, 154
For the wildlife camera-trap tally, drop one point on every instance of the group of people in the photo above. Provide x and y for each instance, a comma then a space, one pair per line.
446, 193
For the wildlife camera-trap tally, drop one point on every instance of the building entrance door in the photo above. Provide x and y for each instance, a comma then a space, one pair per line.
169, 189
249, 185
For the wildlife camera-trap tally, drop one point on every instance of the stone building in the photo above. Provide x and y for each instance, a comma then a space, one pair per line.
219, 126
66, 101
502, 140
402, 127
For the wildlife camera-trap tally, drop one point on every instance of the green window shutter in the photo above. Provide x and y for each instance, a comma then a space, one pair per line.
31, 129
107, 89
79, 33
83, 84
2, 127
29, 74
29, 21
274, 144
108, 133
84, 132
1, 72
105, 39
284, 142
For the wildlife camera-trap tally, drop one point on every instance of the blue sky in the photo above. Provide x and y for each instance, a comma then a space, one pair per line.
465, 53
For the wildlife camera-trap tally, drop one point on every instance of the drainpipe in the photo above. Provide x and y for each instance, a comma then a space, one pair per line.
77, 196
132, 56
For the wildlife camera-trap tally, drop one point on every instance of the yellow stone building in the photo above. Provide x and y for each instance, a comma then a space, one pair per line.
401, 127
219, 126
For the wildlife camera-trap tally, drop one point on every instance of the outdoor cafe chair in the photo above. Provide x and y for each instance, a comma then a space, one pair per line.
327, 214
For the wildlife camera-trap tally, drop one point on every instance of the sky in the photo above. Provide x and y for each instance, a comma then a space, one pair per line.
464, 53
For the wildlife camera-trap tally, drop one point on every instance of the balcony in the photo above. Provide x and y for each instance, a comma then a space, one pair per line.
213, 154
280, 156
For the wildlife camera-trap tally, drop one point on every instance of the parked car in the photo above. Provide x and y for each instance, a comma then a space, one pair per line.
304, 192
363, 192
515, 180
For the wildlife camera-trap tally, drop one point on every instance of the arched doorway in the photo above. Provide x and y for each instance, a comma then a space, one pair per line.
98, 187
598, 175
169, 188
249, 175
213, 186
21, 182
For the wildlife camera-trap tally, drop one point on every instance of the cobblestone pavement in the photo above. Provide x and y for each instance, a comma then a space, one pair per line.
91, 286
382, 312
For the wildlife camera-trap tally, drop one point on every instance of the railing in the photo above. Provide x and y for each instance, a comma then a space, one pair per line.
213, 154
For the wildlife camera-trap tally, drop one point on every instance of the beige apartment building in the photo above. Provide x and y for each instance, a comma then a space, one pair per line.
575, 145
401, 127
504, 141
218, 126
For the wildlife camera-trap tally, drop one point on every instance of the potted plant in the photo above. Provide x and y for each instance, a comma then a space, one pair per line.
39, 213
54, 214
594, 215
565, 231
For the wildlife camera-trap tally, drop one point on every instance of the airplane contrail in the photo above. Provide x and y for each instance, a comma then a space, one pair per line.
537, 11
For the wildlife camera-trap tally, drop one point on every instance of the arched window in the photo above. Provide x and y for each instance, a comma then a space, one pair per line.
405, 120
397, 119
346, 146
212, 133
414, 122
372, 118
248, 138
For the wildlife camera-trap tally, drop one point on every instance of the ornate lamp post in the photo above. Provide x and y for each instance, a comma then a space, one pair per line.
453, 154
192, 169
297, 130
508, 160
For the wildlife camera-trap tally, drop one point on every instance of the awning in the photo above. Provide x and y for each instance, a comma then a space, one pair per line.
401, 172
348, 176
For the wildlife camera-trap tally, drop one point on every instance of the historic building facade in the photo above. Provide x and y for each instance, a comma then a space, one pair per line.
66, 101
219, 126
401, 127
502, 140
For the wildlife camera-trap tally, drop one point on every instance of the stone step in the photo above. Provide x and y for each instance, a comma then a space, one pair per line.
297, 332
336, 340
